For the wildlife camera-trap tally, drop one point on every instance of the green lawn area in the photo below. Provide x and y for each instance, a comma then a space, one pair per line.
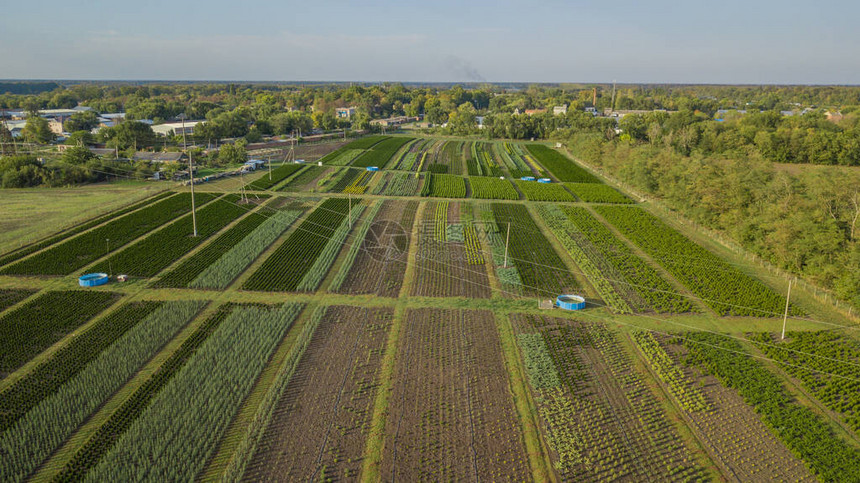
29, 214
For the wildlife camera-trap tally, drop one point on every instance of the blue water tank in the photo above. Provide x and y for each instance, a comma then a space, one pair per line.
373, 168
544, 180
93, 279
570, 302
528, 178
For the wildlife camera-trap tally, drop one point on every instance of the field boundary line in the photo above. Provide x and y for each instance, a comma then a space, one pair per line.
371, 464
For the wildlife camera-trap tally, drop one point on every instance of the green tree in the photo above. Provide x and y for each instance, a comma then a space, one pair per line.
324, 120
21, 172
77, 155
81, 121
37, 130
232, 154
129, 134
80, 138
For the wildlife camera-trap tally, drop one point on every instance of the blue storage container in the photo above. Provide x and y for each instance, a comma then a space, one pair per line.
373, 168
544, 180
570, 302
528, 178
93, 279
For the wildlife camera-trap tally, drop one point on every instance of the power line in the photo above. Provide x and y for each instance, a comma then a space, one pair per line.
680, 294
689, 327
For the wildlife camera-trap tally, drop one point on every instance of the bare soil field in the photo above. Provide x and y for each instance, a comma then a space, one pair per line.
451, 415
319, 428
381, 262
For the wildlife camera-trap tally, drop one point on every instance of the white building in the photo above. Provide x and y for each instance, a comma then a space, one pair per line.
175, 128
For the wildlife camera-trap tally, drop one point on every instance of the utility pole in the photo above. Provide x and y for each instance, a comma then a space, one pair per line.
507, 239
350, 210
270, 168
785, 316
190, 174
612, 107
110, 269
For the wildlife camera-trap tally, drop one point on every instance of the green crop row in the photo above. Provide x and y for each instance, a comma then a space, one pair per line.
437, 168
493, 189
444, 186
723, 287
366, 142
535, 191
343, 157
278, 174
539, 366
359, 184
27, 250
287, 266
11, 296
482, 163
345, 154
688, 396
44, 428
804, 432
154, 253
380, 153
541, 270
306, 176
512, 156
190, 268
559, 165
826, 363
266, 410
77, 252
597, 193
177, 433
398, 184
39, 323
642, 279
48, 376
344, 178
324, 261
608, 281
108, 433
227, 267
352, 253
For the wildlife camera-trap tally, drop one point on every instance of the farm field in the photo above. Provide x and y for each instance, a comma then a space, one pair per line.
450, 415
343, 324
29, 215
442, 269
319, 425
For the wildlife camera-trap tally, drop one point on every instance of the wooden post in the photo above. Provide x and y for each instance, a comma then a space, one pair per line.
507, 239
785, 316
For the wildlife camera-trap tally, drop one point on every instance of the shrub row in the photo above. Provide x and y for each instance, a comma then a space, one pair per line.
559, 165
73, 254
154, 253
287, 266
38, 324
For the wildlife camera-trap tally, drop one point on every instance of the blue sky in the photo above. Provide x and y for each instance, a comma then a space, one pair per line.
753, 41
